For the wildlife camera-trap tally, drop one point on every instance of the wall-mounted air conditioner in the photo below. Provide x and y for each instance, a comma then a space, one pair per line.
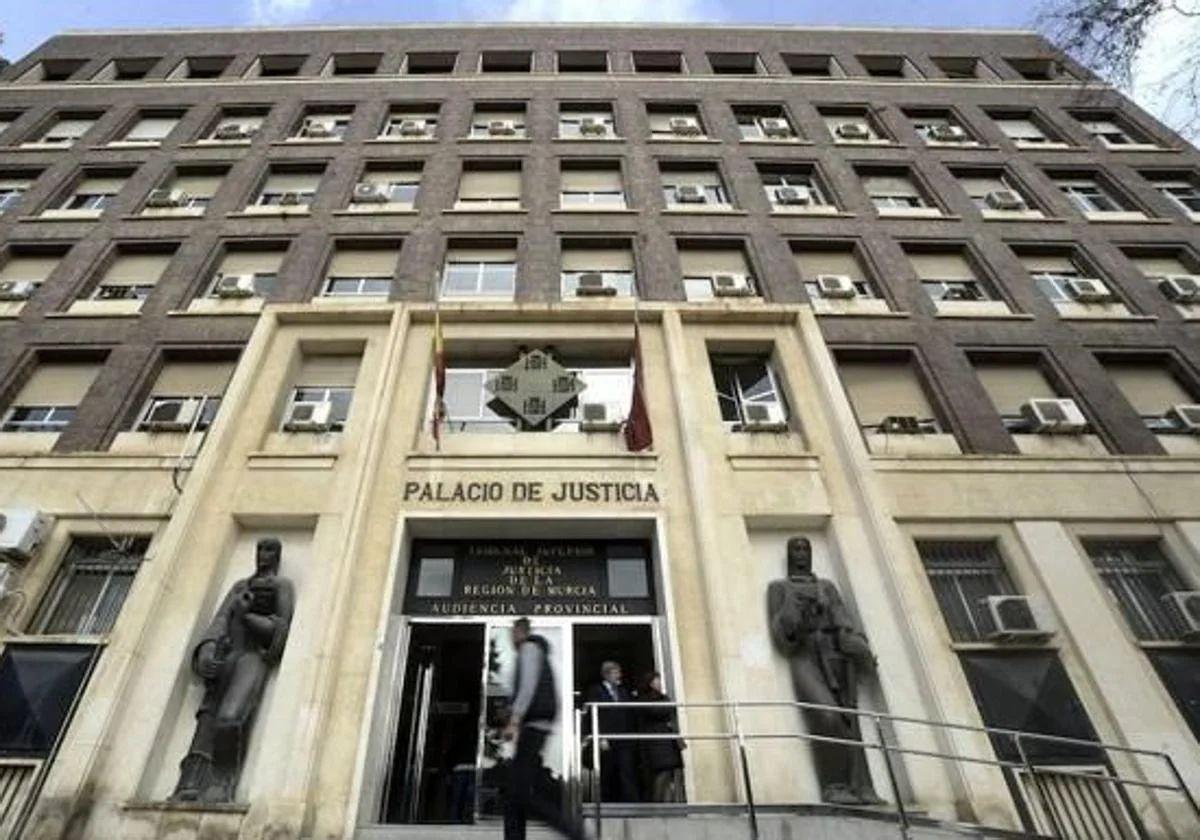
1054, 416
22, 531
309, 417
1017, 618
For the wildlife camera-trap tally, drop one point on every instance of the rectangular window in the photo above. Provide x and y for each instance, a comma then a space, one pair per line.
288, 189
91, 585
1180, 672
888, 67
430, 63
32, 267
714, 269
763, 122
1089, 196
596, 268
480, 272
1183, 193
353, 64
1111, 132
396, 186
991, 191
963, 575
894, 192
687, 187
324, 379
276, 66
47, 401
812, 65
734, 63
411, 122
814, 262
962, 68
201, 67
259, 265
323, 125
506, 61
940, 128
645, 61
132, 275
1052, 273
1012, 384
236, 126
1140, 578
11, 190
151, 129
39, 684
675, 122
498, 122
1024, 131
579, 121
67, 130
851, 125
948, 276
492, 185
589, 185
748, 392
582, 61
94, 193
883, 388
793, 188
1153, 390
361, 272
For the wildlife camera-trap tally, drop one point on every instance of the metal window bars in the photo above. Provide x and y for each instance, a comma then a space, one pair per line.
1052, 790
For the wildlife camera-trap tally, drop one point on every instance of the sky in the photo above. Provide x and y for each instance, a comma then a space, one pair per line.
26, 23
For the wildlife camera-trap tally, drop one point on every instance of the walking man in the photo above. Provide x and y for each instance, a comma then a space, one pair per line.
534, 710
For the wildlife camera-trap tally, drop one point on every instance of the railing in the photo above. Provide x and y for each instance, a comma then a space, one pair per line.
16, 784
1073, 801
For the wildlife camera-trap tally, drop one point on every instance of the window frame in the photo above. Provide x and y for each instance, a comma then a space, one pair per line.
338, 416
480, 274
738, 398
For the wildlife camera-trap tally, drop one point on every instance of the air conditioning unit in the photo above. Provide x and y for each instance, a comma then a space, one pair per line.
1186, 606
853, 131
22, 531
365, 193
731, 285
793, 195
166, 198
502, 127
1186, 417
1015, 619
233, 131
291, 198
775, 127
1089, 290
174, 415
598, 417
234, 286
689, 194
16, 290
763, 417
1054, 416
413, 128
593, 126
900, 424
591, 284
686, 126
1180, 288
948, 134
959, 293
1004, 200
317, 129
309, 417
836, 286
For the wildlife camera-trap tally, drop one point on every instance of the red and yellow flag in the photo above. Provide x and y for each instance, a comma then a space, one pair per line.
638, 434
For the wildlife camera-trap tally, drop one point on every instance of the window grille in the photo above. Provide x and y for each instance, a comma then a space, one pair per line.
1139, 576
91, 585
963, 574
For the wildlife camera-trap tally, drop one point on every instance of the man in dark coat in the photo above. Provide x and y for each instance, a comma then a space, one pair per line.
618, 757
662, 758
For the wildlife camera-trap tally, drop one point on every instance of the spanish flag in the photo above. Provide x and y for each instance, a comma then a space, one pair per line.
439, 378
638, 434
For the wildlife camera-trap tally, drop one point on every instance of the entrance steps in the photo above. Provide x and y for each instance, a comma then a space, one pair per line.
813, 822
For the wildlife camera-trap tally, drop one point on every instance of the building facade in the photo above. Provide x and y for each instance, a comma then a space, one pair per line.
929, 299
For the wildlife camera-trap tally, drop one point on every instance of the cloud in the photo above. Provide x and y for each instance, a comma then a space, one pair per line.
666, 11
265, 12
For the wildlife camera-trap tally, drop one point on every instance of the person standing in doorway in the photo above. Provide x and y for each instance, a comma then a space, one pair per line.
662, 758
618, 756
534, 708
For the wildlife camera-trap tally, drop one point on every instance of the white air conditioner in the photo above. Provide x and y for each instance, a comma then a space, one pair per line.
233, 131
686, 126
853, 131
166, 198
234, 286
1186, 606
317, 129
1186, 417
173, 415
22, 531
1054, 416
775, 127
499, 128
1089, 290
798, 195
689, 194
1180, 288
593, 126
309, 417
763, 417
1015, 618
900, 424
1004, 200
948, 134
291, 198
598, 417
836, 286
16, 290
731, 285
413, 128
367, 193
592, 284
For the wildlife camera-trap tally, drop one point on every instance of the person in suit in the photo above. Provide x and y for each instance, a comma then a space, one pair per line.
618, 758
662, 758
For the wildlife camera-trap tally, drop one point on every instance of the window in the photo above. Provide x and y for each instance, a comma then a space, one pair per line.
994, 193
430, 63
258, 261
715, 268
92, 195
743, 382
1010, 384
586, 121
323, 125
67, 129
1183, 192
591, 185
1153, 390
675, 122
236, 126
47, 400
506, 61
7, 118
39, 684
186, 395
1157, 264
1037, 69
608, 260
1179, 670
888, 67
646, 61
287, 189
794, 189
489, 185
690, 186
734, 63
487, 270
940, 128
880, 388
964, 68
411, 122
963, 575
12, 187
851, 125
328, 379
1052, 273
189, 190
361, 270
895, 193
763, 122
131, 275
1111, 132
582, 61
1139, 577
125, 69
201, 67
21, 264
53, 70
812, 65
396, 186
353, 64
815, 261
1024, 130
276, 65
1089, 196
338, 397
498, 122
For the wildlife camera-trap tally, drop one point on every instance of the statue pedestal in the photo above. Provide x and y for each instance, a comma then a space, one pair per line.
182, 819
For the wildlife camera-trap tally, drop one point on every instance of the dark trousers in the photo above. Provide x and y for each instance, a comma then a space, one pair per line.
618, 772
524, 799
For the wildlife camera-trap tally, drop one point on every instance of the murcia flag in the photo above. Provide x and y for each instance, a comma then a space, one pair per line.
638, 434
439, 378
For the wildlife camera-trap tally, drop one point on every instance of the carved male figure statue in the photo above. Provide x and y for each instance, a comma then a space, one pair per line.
234, 656
812, 628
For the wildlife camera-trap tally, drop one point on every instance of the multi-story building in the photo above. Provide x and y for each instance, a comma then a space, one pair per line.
930, 299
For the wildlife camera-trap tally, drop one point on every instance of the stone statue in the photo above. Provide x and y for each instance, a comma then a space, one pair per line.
826, 651
234, 656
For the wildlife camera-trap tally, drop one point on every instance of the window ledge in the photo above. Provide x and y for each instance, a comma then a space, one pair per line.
390, 140
307, 141
861, 313
267, 460
824, 212
968, 647
1121, 216
885, 144
270, 212
498, 139
39, 147
1018, 216
77, 311
379, 210
971, 147
210, 143
777, 141
1007, 315
681, 139
609, 210
64, 216
611, 138
1137, 147
490, 211
917, 213
716, 211
160, 213
132, 144
1048, 147
1109, 316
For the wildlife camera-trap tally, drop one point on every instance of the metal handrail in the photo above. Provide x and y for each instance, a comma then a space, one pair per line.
740, 738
